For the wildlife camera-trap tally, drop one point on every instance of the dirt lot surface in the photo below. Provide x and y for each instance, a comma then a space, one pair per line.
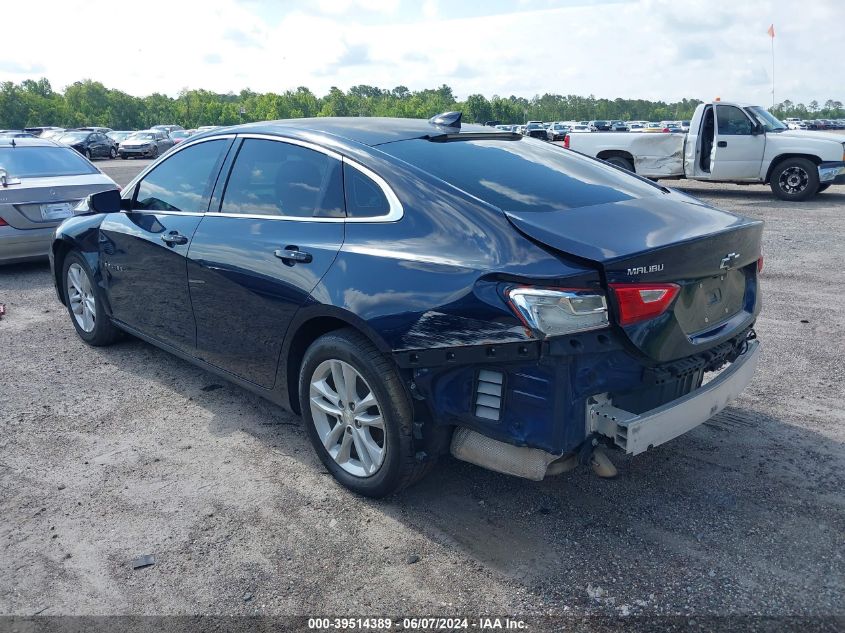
107, 454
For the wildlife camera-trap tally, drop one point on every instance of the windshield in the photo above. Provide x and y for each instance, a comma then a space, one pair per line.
522, 175
144, 136
765, 118
73, 136
36, 162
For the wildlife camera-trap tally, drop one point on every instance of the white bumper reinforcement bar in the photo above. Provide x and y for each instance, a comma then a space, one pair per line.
635, 433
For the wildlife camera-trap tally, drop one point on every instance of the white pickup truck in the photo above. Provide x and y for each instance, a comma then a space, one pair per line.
728, 142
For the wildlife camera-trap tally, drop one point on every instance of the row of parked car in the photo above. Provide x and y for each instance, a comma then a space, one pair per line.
557, 130
103, 142
815, 124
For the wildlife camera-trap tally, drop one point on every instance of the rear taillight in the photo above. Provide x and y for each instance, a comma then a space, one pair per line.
760, 264
666, 129
638, 302
566, 141
3, 222
557, 311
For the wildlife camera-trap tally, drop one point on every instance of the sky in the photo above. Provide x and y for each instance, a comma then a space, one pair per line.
649, 49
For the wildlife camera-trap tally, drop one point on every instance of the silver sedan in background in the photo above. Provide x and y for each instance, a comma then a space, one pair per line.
40, 182
145, 144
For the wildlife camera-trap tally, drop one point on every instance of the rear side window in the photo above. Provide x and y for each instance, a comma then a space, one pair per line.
364, 198
522, 175
278, 178
184, 181
732, 121
40, 162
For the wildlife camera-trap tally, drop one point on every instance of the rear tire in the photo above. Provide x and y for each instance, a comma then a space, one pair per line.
88, 154
620, 161
795, 179
84, 301
351, 354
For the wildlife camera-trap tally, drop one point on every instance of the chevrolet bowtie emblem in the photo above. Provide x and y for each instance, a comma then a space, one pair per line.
728, 261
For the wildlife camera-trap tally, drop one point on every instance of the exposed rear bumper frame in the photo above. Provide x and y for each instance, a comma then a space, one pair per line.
636, 433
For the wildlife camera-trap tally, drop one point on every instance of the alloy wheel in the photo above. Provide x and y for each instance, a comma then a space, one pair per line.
81, 296
348, 418
793, 180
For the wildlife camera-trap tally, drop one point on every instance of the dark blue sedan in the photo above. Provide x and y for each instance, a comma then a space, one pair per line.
414, 288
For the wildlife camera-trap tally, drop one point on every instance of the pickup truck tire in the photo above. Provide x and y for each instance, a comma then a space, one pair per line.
376, 379
620, 161
795, 179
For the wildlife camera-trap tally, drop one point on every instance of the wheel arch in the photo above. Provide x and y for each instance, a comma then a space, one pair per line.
310, 324
782, 157
610, 153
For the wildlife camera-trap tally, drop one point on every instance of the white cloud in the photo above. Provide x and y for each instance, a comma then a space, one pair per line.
430, 10
653, 49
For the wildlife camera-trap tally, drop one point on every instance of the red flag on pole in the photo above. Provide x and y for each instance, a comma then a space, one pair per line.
771, 31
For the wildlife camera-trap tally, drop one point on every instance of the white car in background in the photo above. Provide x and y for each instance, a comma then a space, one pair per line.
579, 129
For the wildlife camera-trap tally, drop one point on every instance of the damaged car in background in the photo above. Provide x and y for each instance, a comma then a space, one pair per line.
728, 142
417, 288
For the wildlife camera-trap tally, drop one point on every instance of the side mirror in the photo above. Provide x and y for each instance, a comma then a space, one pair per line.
757, 129
102, 202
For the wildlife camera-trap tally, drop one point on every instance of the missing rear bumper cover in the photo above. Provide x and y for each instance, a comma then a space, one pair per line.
635, 433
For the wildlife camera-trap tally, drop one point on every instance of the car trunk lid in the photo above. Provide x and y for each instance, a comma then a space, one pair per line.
710, 254
21, 203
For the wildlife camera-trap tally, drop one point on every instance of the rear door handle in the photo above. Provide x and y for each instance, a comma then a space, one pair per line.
173, 238
292, 255
722, 144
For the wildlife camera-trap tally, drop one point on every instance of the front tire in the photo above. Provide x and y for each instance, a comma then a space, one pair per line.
112, 153
795, 180
358, 415
155, 152
84, 301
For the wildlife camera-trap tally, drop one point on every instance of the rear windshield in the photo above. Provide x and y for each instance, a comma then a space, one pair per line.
36, 162
522, 175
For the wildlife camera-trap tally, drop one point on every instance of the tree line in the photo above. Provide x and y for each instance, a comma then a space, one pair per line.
34, 102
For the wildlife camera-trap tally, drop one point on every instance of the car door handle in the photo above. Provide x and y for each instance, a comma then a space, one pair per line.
173, 238
722, 144
292, 255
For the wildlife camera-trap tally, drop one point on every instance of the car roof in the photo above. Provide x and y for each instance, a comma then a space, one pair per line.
364, 130
29, 142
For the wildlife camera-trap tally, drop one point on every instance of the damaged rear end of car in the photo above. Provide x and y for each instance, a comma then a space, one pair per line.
636, 326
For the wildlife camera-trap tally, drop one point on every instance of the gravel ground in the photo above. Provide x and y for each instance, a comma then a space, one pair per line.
111, 453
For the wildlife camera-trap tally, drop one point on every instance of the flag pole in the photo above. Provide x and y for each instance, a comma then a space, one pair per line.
773, 70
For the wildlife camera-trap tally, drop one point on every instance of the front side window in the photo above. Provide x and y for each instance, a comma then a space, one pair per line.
732, 121
184, 181
282, 179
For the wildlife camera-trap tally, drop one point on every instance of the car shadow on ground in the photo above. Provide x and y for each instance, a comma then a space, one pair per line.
723, 511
